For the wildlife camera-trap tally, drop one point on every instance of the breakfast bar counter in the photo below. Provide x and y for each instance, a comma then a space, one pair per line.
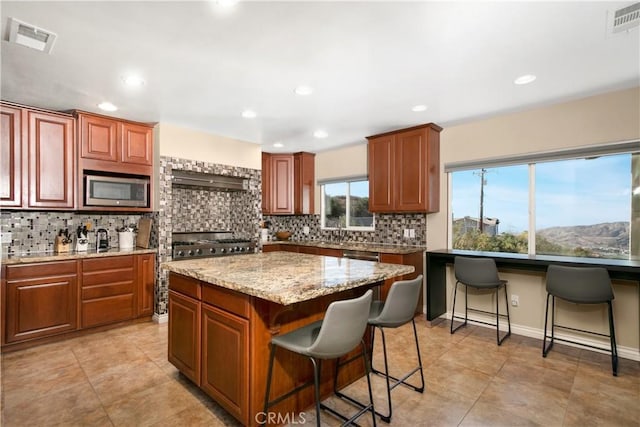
224, 311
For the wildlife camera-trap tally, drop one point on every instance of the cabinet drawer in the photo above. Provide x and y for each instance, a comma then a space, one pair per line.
44, 269
106, 290
107, 263
107, 277
185, 285
231, 301
107, 310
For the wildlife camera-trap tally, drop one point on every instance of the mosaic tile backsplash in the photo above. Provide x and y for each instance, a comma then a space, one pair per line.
389, 229
35, 231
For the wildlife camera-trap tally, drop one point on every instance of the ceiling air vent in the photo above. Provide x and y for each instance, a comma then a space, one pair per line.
30, 36
624, 19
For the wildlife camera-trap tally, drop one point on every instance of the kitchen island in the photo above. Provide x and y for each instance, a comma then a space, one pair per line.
224, 311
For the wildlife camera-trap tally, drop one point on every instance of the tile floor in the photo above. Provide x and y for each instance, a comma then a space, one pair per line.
122, 378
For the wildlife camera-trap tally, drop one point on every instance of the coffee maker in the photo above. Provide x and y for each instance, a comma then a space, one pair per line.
102, 239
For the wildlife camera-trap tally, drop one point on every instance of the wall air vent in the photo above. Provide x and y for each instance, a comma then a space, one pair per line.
31, 36
624, 19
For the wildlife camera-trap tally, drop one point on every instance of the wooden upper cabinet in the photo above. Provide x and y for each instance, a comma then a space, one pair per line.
51, 161
10, 157
288, 183
98, 138
113, 145
404, 170
137, 144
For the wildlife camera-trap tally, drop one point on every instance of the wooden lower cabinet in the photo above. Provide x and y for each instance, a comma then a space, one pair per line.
225, 372
184, 335
47, 299
415, 259
108, 287
40, 300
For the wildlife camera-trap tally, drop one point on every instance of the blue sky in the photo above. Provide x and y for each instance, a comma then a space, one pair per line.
569, 192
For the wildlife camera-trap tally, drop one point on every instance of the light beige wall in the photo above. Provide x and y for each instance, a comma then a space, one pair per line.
610, 117
340, 163
191, 144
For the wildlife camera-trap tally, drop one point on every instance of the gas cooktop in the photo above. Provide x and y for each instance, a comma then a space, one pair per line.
187, 245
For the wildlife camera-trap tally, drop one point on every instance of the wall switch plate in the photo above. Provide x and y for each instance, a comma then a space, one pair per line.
406, 233
5, 237
305, 230
412, 233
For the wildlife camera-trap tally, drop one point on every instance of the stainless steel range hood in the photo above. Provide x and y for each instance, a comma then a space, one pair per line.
208, 181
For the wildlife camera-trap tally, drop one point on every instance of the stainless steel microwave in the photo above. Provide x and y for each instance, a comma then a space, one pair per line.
116, 191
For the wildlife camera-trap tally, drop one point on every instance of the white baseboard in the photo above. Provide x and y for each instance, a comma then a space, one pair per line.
527, 331
160, 318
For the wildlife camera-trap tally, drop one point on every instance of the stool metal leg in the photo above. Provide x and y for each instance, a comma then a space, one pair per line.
612, 335
316, 387
453, 309
545, 348
272, 354
506, 298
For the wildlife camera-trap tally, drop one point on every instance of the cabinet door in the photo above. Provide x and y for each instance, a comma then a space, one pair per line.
51, 161
225, 360
40, 300
137, 144
309, 250
410, 161
381, 173
304, 183
184, 335
146, 281
10, 157
266, 183
98, 138
282, 184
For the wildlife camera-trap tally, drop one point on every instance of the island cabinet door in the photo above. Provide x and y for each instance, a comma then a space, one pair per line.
225, 360
184, 335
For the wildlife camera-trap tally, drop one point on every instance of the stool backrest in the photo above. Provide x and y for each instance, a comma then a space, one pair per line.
475, 271
586, 285
400, 305
342, 328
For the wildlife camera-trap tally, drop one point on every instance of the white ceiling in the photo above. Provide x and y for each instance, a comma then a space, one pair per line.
369, 63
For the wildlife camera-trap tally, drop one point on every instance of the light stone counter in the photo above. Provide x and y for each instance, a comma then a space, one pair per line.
64, 256
353, 246
285, 277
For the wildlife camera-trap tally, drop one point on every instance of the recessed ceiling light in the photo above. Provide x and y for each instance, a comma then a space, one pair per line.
107, 106
278, 144
320, 134
303, 90
524, 79
133, 80
226, 3
418, 108
248, 114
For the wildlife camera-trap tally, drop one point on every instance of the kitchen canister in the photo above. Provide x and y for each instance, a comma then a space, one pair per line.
126, 239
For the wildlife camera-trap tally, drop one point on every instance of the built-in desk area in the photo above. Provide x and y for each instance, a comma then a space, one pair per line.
436, 292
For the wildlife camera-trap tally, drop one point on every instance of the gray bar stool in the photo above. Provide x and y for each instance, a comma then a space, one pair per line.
337, 334
398, 309
479, 273
580, 285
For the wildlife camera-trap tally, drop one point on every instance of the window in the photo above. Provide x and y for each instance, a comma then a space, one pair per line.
584, 206
345, 204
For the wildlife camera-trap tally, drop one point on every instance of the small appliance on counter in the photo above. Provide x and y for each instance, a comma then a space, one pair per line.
102, 239
82, 242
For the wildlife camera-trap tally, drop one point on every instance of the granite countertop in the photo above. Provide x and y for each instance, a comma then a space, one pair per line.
64, 256
354, 246
285, 277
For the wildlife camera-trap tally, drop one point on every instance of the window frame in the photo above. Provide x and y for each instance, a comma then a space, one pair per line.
347, 181
623, 147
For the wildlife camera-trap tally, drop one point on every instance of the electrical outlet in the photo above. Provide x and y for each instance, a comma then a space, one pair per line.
412, 233
305, 230
5, 237
515, 301
406, 232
